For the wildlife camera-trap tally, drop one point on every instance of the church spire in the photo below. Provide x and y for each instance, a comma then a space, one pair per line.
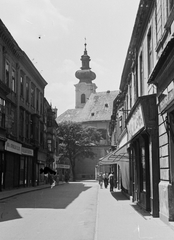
85, 74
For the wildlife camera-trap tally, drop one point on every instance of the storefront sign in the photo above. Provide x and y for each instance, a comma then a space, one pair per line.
166, 100
12, 146
27, 151
63, 166
136, 122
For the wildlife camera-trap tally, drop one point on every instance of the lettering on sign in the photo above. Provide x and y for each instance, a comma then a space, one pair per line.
136, 122
27, 151
12, 146
63, 166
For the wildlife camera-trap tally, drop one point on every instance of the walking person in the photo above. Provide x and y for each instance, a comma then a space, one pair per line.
111, 181
49, 173
105, 177
100, 179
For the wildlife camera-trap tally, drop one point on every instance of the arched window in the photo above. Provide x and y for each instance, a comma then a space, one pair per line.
83, 98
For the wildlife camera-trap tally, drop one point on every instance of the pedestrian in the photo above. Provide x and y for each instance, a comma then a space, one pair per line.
111, 181
100, 179
49, 173
105, 178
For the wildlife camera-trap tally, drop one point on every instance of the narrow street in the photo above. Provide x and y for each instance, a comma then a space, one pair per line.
77, 211
64, 212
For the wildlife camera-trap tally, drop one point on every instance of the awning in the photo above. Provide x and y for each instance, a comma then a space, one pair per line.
106, 160
119, 155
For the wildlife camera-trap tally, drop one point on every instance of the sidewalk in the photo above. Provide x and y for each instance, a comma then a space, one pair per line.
10, 193
120, 219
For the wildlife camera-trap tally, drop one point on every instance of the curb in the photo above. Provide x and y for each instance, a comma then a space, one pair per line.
23, 191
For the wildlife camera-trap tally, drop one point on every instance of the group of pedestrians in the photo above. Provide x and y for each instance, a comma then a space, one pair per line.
107, 179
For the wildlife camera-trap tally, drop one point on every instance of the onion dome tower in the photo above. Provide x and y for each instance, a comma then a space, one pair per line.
85, 86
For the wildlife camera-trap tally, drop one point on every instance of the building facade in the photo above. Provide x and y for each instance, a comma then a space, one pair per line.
23, 130
141, 125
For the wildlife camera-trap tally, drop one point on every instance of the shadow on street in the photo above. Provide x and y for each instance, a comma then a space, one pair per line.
119, 196
58, 197
141, 211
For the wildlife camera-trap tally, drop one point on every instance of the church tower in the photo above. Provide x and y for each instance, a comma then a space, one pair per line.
85, 86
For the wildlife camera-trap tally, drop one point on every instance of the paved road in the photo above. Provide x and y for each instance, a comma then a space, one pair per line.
64, 212
76, 211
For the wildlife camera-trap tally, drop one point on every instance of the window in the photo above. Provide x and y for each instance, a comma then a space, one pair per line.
7, 73
49, 142
83, 98
41, 134
21, 124
143, 169
120, 122
149, 51
27, 127
130, 96
32, 95
41, 103
134, 86
141, 73
37, 100
2, 113
22, 86
27, 92
10, 118
13, 81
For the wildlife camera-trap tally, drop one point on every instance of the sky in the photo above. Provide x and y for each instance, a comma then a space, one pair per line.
52, 33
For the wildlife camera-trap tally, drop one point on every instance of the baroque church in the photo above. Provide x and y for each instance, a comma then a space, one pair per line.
92, 109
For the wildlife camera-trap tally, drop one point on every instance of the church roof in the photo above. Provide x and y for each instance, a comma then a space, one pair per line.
69, 115
97, 108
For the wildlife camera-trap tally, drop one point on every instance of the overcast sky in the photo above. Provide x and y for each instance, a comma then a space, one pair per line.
52, 33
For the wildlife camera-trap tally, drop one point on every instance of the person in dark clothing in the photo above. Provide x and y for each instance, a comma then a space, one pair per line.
48, 172
111, 181
105, 177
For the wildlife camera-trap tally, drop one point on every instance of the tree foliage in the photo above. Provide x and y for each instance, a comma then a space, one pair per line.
77, 141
